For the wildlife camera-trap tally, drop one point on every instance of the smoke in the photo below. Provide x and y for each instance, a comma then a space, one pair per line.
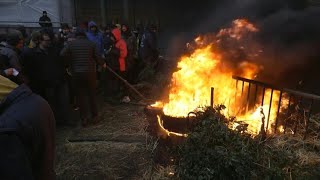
291, 39
289, 36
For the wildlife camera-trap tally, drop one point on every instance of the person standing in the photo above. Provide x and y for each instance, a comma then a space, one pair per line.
130, 40
44, 20
45, 71
84, 55
148, 52
121, 45
9, 55
95, 36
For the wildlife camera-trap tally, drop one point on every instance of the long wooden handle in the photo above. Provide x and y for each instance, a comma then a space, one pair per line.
127, 83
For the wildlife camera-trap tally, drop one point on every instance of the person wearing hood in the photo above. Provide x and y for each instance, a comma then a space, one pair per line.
122, 46
95, 36
115, 59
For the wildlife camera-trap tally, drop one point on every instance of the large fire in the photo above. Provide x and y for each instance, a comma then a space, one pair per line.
206, 67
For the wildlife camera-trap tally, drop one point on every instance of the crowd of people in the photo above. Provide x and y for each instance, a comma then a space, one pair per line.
45, 74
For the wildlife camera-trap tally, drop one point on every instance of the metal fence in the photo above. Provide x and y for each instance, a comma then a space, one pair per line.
297, 103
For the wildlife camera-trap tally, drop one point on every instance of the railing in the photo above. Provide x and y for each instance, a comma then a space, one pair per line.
298, 102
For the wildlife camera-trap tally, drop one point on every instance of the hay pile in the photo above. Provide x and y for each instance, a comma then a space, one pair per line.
117, 148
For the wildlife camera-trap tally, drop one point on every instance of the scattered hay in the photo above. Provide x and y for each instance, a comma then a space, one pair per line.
306, 152
106, 159
117, 148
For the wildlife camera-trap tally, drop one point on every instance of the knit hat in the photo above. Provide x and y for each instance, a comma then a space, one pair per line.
118, 26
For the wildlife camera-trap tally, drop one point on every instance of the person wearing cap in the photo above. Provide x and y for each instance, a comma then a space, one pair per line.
118, 26
44, 20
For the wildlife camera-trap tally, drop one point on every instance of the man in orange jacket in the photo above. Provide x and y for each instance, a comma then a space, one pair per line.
121, 45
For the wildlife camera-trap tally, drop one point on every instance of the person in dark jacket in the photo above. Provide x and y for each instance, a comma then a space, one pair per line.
84, 55
3, 38
44, 20
131, 41
32, 119
148, 53
111, 82
149, 45
10, 57
107, 41
45, 71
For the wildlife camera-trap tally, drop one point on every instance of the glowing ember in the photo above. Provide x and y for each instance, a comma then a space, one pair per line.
205, 68
281, 129
167, 132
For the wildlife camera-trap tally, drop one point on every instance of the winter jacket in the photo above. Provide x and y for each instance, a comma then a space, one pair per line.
32, 118
42, 68
107, 41
83, 55
45, 21
13, 56
131, 42
9, 59
112, 57
148, 45
97, 37
14, 162
122, 46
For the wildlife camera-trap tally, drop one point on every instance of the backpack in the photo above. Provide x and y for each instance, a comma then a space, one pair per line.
14, 161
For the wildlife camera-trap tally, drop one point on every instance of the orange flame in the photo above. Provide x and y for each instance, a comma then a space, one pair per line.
205, 68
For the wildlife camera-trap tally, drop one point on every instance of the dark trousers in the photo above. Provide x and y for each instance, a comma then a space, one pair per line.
114, 87
57, 97
71, 92
85, 89
56, 94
